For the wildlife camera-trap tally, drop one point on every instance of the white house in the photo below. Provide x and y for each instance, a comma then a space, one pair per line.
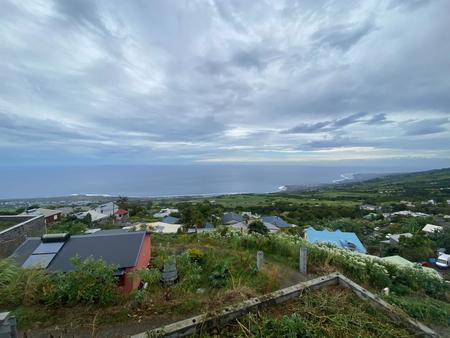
164, 228
431, 228
107, 208
369, 207
95, 216
395, 238
165, 212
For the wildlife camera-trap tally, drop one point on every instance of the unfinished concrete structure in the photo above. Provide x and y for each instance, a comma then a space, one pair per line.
222, 317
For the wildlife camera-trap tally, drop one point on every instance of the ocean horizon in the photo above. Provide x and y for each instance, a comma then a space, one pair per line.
166, 180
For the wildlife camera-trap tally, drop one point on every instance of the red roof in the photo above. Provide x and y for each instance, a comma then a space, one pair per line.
121, 212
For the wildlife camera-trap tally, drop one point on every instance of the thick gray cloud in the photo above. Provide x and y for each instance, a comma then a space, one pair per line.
168, 81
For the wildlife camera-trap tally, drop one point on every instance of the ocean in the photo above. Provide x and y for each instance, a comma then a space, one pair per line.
164, 180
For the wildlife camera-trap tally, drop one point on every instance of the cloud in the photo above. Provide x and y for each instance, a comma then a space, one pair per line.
160, 81
343, 36
426, 126
378, 119
332, 125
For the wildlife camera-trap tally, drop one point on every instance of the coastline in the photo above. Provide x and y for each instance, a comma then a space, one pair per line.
87, 198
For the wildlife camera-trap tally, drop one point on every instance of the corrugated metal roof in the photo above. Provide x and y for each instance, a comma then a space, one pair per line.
276, 220
231, 217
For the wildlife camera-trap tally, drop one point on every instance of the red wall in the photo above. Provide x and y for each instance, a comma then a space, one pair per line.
132, 280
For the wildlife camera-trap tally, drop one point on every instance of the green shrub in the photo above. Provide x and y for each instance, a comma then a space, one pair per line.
21, 286
150, 276
197, 255
190, 273
92, 281
258, 227
218, 277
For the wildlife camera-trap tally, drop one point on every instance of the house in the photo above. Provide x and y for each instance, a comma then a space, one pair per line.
50, 215
66, 211
408, 204
395, 238
164, 228
231, 217
95, 216
369, 207
277, 221
208, 226
249, 215
241, 226
272, 228
165, 212
170, 220
429, 202
402, 262
107, 208
129, 251
121, 214
431, 228
341, 239
408, 213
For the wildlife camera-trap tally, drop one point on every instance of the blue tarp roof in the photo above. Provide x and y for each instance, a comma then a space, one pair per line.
344, 240
276, 220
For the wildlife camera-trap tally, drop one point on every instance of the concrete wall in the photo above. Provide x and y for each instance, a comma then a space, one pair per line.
27, 226
207, 321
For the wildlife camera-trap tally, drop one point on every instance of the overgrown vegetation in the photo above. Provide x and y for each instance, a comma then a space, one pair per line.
323, 313
424, 309
91, 282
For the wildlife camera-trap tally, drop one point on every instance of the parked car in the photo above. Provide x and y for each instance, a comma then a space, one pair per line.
443, 261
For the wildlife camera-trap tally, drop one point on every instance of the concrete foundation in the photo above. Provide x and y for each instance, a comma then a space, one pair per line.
208, 321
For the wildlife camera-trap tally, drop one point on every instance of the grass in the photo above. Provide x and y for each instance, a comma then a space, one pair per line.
424, 309
7, 224
329, 312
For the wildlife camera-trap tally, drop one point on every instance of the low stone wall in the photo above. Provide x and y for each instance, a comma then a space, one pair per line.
207, 321
27, 226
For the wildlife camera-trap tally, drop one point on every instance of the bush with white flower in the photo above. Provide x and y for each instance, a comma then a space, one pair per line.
363, 268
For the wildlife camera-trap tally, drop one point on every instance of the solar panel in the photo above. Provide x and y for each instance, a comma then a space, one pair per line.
38, 261
48, 248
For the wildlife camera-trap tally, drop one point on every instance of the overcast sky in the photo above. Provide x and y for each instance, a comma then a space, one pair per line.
104, 82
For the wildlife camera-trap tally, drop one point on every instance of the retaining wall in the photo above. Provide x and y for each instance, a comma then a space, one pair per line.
208, 321
12, 237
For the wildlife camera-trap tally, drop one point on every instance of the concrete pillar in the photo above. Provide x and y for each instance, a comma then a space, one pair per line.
259, 260
7, 325
303, 262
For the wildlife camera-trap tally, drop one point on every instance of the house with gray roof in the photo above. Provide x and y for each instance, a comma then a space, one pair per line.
128, 251
277, 221
231, 218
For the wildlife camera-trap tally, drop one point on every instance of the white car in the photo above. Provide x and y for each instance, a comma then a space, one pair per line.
443, 261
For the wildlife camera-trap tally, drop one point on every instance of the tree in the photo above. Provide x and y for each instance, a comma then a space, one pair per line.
442, 239
87, 219
258, 227
122, 202
415, 248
